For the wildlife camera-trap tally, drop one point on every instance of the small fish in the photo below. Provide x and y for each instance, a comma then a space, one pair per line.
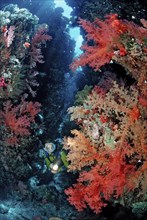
122, 51
2, 82
4, 29
26, 44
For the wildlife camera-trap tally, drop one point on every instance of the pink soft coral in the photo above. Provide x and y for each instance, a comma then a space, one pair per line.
16, 120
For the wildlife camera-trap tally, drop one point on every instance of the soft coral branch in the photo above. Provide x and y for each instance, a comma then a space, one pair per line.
108, 147
16, 120
102, 182
106, 40
39, 38
119, 40
9, 36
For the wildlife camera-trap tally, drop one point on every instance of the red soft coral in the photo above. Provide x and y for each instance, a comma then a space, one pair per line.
16, 120
102, 182
106, 38
76, 196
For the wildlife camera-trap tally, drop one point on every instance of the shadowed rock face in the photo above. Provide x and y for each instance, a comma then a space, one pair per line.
90, 9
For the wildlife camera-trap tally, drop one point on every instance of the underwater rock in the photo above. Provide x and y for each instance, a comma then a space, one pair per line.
140, 209
33, 182
3, 209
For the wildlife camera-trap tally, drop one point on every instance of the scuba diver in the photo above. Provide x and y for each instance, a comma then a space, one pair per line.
55, 158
